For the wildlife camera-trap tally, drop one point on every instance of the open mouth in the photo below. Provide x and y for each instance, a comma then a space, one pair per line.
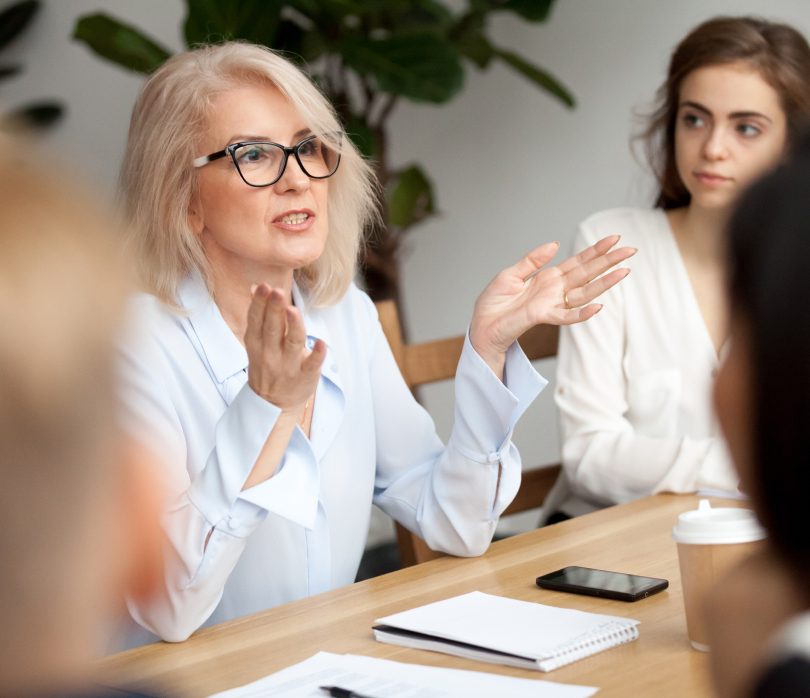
294, 218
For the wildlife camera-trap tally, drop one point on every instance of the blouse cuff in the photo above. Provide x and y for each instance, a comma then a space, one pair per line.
240, 435
487, 409
292, 492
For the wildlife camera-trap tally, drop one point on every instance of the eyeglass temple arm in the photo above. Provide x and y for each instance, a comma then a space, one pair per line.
205, 159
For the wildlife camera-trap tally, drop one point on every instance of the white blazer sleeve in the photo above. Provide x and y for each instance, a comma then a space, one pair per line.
447, 494
604, 459
210, 503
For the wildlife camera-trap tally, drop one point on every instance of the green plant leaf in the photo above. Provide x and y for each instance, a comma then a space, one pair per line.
538, 76
33, 117
468, 37
421, 66
14, 20
532, 10
214, 21
412, 199
298, 43
120, 43
362, 136
405, 15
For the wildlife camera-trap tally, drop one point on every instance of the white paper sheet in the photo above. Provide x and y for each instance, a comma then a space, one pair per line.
381, 678
507, 625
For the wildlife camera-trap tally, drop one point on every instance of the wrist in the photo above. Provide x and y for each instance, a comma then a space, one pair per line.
486, 350
291, 413
496, 360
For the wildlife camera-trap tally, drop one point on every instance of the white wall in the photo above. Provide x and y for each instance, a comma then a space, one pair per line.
512, 167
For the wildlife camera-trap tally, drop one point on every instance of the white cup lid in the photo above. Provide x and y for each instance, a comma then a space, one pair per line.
707, 526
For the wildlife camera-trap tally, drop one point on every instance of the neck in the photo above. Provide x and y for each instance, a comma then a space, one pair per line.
233, 280
700, 231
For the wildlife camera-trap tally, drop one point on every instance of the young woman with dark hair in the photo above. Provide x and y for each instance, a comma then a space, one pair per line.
634, 386
760, 615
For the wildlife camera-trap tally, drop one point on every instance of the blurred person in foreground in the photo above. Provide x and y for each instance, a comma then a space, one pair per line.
78, 503
759, 616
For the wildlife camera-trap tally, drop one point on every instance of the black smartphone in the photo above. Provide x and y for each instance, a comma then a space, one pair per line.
609, 585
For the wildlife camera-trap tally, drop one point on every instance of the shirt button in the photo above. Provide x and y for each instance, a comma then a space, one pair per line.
233, 522
334, 368
310, 344
494, 457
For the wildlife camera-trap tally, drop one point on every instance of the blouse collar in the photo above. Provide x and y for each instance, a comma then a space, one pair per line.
223, 351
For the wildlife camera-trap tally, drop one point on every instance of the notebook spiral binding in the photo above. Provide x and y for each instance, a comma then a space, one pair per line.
604, 637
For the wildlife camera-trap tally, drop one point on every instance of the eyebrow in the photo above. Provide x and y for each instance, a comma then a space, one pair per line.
248, 137
733, 115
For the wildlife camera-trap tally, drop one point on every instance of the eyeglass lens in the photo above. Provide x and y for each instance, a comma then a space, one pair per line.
261, 163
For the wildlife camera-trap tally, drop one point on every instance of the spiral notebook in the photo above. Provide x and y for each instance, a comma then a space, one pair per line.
506, 631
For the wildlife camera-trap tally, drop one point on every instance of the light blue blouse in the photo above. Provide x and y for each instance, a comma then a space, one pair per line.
303, 531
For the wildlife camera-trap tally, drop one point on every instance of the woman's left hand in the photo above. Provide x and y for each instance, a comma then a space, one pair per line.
521, 297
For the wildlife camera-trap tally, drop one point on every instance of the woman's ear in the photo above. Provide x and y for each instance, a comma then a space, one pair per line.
195, 218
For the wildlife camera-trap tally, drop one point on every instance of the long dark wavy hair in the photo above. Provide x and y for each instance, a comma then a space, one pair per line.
777, 51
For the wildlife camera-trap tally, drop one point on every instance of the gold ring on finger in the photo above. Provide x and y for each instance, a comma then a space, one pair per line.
565, 298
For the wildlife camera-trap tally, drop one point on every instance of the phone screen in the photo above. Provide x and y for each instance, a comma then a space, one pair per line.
600, 580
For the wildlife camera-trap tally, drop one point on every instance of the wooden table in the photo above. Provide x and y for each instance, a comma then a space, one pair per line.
632, 538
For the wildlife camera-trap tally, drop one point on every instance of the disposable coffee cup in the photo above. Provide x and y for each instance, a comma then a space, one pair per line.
710, 541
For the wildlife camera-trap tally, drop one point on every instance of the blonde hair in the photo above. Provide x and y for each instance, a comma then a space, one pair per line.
158, 179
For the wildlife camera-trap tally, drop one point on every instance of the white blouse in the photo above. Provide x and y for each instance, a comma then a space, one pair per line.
634, 384
303, 531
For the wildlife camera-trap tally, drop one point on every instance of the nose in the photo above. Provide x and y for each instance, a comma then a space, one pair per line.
294, 179
716, 145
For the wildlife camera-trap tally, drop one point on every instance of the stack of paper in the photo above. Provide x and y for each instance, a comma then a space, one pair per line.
506, 631
380, 678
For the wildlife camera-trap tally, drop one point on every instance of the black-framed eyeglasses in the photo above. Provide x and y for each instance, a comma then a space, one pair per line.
261, 163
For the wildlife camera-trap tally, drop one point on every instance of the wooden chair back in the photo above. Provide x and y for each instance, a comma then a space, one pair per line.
430, 362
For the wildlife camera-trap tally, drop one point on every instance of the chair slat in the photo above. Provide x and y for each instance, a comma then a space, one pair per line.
540, 342
432, 361
534, 486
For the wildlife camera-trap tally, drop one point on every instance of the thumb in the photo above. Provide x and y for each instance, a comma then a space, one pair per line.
534, 260
314, 359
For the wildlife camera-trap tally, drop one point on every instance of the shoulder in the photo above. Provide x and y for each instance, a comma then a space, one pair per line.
637, 226
150, 326
150, 312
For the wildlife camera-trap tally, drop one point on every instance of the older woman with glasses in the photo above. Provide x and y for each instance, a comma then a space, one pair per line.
259, 372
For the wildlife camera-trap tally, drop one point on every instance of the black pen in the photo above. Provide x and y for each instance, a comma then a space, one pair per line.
338, 692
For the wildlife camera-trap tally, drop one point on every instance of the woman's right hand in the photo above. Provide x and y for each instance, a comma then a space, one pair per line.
280, 368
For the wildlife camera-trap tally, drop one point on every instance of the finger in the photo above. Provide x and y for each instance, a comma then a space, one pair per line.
581, 275
256, 311
275, 321
312, 363
583, 296
592, 252
534, 260
296, 332
561, 316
